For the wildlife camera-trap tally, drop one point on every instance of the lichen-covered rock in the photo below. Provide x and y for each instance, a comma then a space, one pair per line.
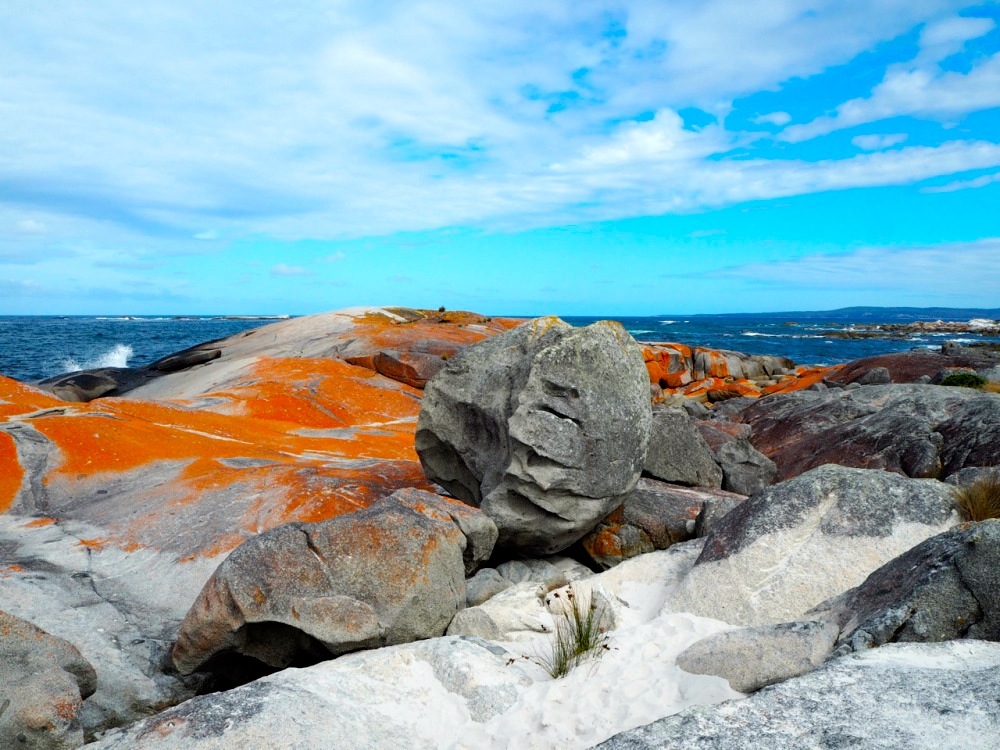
388, 574
945, 588
678, 453
544, 427
922, 696
798, 543
43, 682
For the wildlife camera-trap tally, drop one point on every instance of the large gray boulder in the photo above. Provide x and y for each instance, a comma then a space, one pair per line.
946, 588
388, 574
752, 658
910, 429
939, 696
544, 427
678, 453
43, 682
800, 542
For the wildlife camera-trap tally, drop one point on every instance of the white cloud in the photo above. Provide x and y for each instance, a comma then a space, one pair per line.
30, 226
920, 88
351, 118
878, 142
970, 269
976, 182
774, 118
335, 257
285, 270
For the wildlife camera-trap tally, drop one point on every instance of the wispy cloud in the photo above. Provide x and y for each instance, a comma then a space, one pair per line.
878, 142
285, 270
970, 269
951, 187
920, 88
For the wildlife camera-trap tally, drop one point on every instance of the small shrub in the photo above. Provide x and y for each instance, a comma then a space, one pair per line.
581, 629
965, 380
981, 499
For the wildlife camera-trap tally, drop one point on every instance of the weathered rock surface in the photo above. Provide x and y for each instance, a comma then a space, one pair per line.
43, 682
551, 572
909, 367
798, 543
397, 697
388, 574
752, 658
654, 516
915, 430
945, 588
544, 427
678, 453
920, 696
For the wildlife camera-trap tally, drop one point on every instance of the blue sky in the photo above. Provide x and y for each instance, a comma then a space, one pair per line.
568, 157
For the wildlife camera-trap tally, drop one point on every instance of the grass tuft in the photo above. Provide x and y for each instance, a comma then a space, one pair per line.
980, 500
581, 629
965, 380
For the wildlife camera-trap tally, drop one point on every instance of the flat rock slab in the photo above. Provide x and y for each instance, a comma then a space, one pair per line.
917, 696
797, 543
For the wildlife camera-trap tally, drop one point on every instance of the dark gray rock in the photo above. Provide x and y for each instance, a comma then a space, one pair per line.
752, 658
544, 427
789, 547
678, 453
917, 696
946, 588
388, 574
43, 682
909, 429
876, 376
654, 516
714, 510
745, 470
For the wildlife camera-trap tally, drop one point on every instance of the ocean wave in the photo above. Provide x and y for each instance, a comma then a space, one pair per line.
638, 332
765, 335
116, 356
668, 322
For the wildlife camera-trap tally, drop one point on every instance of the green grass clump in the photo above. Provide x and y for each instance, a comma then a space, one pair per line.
965, 380
580, 633
980, 500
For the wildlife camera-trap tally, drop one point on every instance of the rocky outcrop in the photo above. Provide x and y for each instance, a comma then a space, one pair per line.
752, 658
655, 515
544, 427
798, 543
389, 574
945, 588
912, 366
914, 430
920, 696
43, 682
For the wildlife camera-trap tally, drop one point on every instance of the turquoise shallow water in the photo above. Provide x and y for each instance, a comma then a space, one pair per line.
32, 348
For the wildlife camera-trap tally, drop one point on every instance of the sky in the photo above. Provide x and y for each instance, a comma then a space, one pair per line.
574, 157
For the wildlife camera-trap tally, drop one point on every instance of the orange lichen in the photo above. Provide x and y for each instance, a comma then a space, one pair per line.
804, 377
11, 473
17, 398
40, 522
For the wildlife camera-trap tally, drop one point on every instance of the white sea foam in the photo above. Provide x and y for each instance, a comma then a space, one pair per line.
765, 335
668, 322
117, 356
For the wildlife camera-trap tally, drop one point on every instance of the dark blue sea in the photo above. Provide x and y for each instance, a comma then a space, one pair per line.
37, 347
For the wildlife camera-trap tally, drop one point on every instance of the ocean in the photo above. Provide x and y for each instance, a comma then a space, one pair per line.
36, 347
